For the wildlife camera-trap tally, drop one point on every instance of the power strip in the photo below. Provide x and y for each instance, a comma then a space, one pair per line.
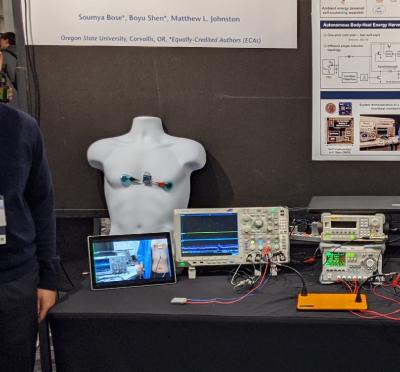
305, 237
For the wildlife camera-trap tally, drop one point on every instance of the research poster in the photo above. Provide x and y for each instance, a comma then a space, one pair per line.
356, 79
164, 23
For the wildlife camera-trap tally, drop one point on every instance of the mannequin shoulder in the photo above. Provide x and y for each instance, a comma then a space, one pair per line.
189, 152
99, 150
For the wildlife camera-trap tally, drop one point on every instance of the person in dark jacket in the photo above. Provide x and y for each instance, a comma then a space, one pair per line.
29, 265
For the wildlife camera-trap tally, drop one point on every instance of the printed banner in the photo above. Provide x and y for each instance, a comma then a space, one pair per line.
165, 23
356, 79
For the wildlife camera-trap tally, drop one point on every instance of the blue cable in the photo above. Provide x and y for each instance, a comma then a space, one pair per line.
213, 299
266, 280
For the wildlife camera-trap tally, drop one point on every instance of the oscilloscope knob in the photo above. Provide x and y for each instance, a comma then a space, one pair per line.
246, 218
270, 227
246, 229
258, 223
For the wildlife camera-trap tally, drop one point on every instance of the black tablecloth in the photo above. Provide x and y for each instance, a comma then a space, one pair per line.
137, 329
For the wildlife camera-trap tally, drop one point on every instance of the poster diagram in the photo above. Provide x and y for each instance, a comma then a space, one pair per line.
381, 67
356, 79
374, 65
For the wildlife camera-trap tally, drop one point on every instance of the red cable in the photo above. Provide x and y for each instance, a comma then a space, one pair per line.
382, 296
354, 291
364, 317
347, 285
234, 301
377, 315
355, 285
396, 280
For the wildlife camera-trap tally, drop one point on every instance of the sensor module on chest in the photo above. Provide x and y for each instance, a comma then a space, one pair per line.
147, 180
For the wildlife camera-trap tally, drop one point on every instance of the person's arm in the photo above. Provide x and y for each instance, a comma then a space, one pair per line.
39, 196
10, 66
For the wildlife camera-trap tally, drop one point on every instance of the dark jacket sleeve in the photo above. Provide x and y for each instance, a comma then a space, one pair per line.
39, 196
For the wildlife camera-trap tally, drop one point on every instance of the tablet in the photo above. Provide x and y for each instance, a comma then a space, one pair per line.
117, 261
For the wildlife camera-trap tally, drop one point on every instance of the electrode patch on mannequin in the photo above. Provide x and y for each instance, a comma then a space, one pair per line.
147, 180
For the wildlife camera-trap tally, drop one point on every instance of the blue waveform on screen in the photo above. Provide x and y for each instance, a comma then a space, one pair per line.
207, 239
207, 250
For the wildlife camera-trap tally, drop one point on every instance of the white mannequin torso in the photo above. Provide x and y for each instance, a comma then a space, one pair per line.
145, 148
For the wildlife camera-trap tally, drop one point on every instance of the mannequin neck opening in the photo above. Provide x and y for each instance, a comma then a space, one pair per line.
147, 126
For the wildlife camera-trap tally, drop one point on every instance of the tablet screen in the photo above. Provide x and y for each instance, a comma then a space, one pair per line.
131, 260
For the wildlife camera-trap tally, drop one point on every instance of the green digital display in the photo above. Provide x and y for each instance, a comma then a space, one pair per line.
336, 259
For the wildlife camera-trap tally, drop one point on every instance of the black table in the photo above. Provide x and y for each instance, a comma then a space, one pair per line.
137, 329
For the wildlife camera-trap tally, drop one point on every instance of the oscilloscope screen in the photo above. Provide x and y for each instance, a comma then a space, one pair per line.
208, 234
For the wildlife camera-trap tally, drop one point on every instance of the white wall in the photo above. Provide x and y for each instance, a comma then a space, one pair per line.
6, 16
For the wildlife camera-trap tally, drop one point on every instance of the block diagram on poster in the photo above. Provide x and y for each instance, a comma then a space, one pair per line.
381, 68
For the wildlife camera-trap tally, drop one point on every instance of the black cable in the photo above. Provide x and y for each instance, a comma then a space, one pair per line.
34, 70
392, 293
304, 291
389, 254
35, 74
358, 293
297, 222
28, 57
66, 274
31, 59
392, 241
298, 209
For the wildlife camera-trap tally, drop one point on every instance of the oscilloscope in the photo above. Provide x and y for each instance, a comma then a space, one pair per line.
230, 236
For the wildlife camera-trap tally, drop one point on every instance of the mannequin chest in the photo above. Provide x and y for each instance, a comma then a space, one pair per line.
160, 164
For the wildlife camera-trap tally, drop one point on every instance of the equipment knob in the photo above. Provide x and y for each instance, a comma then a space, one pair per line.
370, 263
246, 218
246, 230
375, 222
258, 223
270, 228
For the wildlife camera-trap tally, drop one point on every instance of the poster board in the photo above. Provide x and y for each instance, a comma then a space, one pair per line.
356, 79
